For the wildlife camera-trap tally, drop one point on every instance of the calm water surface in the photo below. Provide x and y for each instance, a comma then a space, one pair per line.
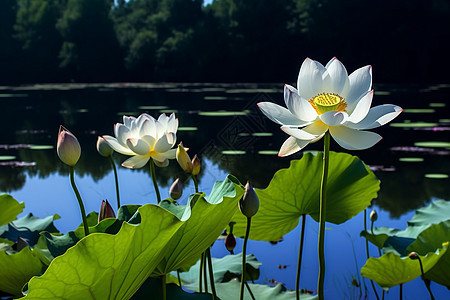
221, 123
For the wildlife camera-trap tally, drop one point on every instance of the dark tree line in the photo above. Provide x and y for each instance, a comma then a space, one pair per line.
229, 40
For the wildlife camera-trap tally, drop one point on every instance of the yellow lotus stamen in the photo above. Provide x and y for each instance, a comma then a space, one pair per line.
328, 102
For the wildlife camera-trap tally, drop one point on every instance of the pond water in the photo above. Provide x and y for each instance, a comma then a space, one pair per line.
221, 123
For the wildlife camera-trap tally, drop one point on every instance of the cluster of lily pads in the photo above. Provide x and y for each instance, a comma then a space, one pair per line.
162, 249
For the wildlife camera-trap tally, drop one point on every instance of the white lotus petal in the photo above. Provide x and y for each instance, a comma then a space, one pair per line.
317, 128
291, 145
172, 124
279, 114
298, 133
298, 106
171, 154
377, 116
352, 139
162, 164
138, 146
339, 82
309, 82
360, 83
150, 140
141, 119
334, 118
171, 138
117, 146
148, 128
163, 144
127, 121
361, 109
160, 129
135, 162
122, 133
163, 119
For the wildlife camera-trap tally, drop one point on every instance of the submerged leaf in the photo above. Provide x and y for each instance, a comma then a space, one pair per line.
295, 191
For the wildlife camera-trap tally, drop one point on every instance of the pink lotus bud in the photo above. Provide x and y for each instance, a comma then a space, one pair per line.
176, 190
195, 165
373, 216
413, 255
230, 242
106, 211
103, 148
68, 148
249, 204
183, 159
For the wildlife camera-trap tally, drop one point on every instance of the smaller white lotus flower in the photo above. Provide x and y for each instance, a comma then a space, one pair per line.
144, 138
327, 98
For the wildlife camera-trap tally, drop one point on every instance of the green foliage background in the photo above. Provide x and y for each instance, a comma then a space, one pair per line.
228, 40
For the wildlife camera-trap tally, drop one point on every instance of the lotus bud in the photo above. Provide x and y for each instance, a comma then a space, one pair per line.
230, 242
195, 165
249, 204
106, 211
176, 190
414, 255
183, 159
103, 148
68, 148
373, 216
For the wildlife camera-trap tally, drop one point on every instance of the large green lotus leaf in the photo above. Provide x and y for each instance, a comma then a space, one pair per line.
225, 269
105, 266
390, 269
206, 218
28, 227
10, 208
399, 240
295, 191
429, 240
16, 269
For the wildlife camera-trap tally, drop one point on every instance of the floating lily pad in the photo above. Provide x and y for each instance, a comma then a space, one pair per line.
444, 120
414, 124
432, 144
268, 152
260, 134
233, 152
41, 147
295, 191
7, 157
436, 104
436, 176
127, 113
13, 95
187, 128
223, 113
168, 111
153, 107
382, 93
215, 98
82, 110
411, 159
419, 110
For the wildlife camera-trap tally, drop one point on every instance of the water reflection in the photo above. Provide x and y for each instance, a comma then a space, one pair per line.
222, 124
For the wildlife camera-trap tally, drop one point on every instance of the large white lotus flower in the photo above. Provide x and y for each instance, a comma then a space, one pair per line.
144, 138
327, 98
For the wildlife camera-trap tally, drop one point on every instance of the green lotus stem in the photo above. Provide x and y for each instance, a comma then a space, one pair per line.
155, 183
80, 202
401, 291
179, 278
427, 283
244, 251
249, 291
205, 275
116, 180
322, 215
382, 295
195, 180
163, 286
299, 261
200, 278
367, 251
371, 230
211, 274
